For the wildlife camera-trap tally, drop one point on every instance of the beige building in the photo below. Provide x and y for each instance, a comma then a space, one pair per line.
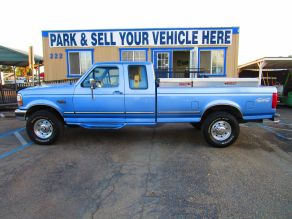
206, 51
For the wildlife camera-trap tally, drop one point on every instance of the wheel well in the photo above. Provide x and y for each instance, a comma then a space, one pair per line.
226, 108
44, 107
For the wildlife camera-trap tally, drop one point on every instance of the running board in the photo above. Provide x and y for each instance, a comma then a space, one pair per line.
102, 126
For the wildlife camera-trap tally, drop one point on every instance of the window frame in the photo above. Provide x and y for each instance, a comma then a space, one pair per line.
68, 51
224, 49
133, 50
146, 78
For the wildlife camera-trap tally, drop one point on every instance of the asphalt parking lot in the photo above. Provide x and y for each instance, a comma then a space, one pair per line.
162, 172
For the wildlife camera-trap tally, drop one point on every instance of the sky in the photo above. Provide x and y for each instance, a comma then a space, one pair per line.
265, 26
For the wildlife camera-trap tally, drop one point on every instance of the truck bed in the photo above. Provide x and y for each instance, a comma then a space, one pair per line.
208, 82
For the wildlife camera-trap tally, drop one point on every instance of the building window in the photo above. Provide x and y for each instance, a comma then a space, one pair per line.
135, 55
105, 77
212, 61
162, 60
138, 77
79, 61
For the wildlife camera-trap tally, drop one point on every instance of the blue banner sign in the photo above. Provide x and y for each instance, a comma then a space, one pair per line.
141, 38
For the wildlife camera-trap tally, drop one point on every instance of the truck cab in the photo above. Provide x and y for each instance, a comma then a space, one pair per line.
113, 95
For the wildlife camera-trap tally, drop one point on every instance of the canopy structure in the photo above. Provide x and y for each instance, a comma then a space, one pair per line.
15, 57
268, 64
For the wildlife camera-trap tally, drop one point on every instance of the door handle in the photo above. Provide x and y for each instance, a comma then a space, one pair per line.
117, 92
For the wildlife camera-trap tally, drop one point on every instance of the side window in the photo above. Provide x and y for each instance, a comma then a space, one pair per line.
105, 76
138, 77
78, 62
212, 61
134, 55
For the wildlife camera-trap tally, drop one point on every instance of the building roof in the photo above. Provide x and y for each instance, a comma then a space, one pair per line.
15, 57
268, 63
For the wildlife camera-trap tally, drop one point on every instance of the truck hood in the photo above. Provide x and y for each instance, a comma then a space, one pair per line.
60, 89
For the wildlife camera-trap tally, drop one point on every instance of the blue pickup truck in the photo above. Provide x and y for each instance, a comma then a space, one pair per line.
112, 95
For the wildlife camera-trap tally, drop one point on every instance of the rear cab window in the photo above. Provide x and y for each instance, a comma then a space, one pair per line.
137, 77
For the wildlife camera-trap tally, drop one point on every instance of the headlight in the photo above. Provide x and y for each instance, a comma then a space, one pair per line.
19, 100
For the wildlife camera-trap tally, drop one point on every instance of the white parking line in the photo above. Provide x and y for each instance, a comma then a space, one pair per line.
288, 130
20, 138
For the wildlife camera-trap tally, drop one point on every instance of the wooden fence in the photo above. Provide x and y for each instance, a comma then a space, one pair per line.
8, 92
7, 97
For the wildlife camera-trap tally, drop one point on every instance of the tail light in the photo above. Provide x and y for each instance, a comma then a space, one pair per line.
275, 100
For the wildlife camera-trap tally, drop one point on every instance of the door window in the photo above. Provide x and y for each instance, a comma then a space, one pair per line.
162, 60
105, 76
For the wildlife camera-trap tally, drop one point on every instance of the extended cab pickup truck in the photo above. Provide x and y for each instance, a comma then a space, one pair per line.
112, 95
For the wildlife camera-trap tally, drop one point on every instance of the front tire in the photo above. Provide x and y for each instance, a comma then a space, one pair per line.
220, 129
44, 127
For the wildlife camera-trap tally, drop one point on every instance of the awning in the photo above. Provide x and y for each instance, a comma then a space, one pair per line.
15, 57
267, 63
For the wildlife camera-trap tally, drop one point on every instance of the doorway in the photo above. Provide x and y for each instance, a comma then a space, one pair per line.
173, 63
181, 63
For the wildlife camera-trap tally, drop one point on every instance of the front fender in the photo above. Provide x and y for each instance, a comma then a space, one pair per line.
43, 102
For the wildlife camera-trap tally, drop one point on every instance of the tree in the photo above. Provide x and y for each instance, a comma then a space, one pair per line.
20, 71
6, 69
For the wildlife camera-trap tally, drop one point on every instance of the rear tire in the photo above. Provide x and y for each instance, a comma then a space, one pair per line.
220, 129
44, 127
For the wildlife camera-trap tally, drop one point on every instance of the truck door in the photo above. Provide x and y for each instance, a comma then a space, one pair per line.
106, 105
139, 94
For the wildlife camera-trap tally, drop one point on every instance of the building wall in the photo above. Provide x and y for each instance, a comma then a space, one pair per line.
55, 60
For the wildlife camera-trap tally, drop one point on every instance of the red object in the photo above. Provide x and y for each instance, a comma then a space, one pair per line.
275, 100
42, 75
230, 83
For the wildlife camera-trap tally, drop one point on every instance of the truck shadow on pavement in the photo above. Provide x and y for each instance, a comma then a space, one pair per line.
170, 135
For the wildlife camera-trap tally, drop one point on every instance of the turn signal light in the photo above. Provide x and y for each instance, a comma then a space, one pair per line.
275, 100
19, 100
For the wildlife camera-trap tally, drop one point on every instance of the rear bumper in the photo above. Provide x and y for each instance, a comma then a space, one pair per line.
20, 114
276, 117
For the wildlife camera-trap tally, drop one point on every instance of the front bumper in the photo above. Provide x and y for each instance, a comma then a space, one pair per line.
20, 114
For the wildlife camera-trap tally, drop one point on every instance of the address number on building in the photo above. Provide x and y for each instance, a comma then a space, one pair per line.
56, 55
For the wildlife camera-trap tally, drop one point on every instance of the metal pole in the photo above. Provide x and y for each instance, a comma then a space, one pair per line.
14, 70
39, 71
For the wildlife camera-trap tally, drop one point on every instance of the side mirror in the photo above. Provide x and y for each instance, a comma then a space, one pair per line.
92, 83
92, 86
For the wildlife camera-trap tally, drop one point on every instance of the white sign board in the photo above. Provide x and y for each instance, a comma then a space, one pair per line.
179, 37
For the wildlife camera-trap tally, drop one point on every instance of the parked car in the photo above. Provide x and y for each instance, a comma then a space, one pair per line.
112, 95
21, 80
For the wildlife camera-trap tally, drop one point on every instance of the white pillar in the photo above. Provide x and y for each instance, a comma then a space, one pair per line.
261, 65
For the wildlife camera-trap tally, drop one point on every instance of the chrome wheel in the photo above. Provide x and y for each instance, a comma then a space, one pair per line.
221, 130
43, 128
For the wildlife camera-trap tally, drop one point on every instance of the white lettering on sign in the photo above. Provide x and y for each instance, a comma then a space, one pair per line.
141, 38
